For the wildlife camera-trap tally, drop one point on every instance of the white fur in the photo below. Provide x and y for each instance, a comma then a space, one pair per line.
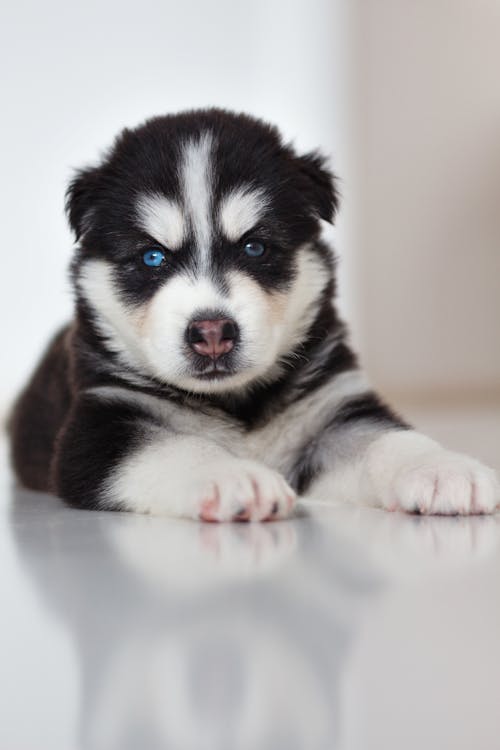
162, 219
240, 210
404, 470
179, 419
278, 441
165, 322
192, 478
150, 338
173, 307
302, 299
116, 321
196, 177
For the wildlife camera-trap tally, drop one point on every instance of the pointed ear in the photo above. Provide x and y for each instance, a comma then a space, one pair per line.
319, 185
82, 197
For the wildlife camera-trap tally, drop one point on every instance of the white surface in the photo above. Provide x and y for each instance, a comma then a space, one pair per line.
343, 629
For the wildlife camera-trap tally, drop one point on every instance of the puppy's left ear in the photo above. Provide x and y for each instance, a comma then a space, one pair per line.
319, 184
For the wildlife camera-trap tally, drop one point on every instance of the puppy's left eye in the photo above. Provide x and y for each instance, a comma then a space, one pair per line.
153, 257
254, 248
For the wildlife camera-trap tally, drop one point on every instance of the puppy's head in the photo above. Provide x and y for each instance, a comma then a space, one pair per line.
197, 260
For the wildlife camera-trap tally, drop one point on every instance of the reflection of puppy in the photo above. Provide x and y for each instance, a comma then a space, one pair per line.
208, 552
215, 652
206, 373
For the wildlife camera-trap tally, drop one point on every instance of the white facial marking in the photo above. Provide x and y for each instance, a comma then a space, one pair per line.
196, 181
302, 299
240, 210
114, 320
162, 219
150, 338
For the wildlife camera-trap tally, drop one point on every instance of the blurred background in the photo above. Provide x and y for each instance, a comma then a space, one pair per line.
403, 96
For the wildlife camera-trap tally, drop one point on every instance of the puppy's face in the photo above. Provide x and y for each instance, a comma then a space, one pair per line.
197, 264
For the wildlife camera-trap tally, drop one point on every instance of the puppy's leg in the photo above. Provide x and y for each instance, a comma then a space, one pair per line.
368, 456
110, 456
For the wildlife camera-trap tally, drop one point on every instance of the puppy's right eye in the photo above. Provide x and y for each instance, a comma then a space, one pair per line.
153, 257
254, 248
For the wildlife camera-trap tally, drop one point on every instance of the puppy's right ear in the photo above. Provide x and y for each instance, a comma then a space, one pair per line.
82, 197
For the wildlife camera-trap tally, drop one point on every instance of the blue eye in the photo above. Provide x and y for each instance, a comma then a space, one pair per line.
153, 258
254, 249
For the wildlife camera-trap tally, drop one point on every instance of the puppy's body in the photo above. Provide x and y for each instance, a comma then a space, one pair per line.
206, 373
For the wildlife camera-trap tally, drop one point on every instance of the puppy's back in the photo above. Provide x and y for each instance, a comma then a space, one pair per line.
39, 413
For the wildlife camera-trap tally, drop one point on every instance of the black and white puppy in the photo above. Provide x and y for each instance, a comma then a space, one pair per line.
206, 373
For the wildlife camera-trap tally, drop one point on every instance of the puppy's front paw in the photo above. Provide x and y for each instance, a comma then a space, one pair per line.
240, 490
434, 480
443, 482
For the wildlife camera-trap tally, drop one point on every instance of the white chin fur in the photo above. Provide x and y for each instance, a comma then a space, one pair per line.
150, 338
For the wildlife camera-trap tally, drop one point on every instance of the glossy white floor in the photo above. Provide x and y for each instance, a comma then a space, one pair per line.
343, 629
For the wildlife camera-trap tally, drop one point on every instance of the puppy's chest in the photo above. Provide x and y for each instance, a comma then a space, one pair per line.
272, 442
277, 442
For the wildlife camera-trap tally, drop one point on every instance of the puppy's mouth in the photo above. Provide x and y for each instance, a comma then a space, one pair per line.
213, 373
211, 369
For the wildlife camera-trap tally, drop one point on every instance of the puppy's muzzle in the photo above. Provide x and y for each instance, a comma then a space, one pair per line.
212, 338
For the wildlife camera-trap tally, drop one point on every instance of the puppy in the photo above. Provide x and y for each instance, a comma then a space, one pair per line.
206, 373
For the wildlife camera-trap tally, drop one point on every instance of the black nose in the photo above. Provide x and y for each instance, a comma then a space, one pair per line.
212, 338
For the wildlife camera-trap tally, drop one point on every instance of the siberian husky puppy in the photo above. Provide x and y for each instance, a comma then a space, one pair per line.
206, 373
